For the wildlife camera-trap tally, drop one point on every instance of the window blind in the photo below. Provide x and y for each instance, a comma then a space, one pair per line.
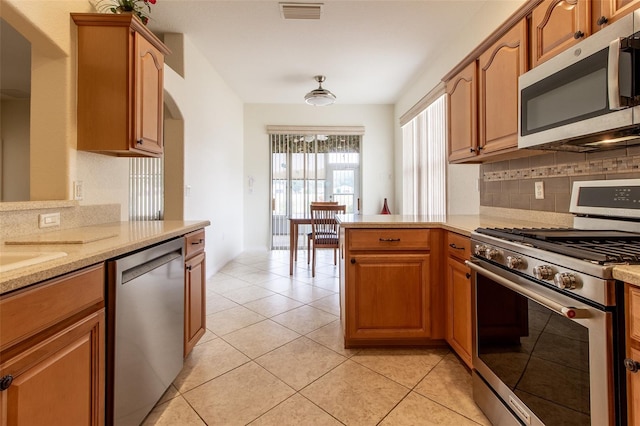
425, 161
146, 189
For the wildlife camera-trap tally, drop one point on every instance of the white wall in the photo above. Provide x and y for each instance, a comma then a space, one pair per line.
213, 151
376, 167
463, 196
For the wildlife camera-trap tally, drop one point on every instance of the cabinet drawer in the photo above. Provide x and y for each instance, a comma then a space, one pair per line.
194, 243
389, 239
33, 310
458, 245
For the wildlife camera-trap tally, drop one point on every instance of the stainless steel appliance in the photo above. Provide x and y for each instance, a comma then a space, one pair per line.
145, 328
549, 317
585, 99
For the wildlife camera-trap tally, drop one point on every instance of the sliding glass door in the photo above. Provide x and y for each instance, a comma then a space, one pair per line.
306, 168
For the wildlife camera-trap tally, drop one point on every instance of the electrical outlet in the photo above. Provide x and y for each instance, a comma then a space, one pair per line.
539, 190
78, 190
48, 220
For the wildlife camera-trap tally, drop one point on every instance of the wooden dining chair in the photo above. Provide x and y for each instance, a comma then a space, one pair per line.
309, 235
324, 230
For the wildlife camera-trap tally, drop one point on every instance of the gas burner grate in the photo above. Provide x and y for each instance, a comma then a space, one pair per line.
602, 247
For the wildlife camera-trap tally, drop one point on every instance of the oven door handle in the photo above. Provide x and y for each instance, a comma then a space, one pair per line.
565, 311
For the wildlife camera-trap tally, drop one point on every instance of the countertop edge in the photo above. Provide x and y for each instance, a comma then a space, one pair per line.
89, 255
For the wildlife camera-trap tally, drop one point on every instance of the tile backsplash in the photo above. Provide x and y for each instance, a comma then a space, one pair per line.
511, 183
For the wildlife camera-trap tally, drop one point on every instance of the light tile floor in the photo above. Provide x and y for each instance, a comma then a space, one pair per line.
273, 354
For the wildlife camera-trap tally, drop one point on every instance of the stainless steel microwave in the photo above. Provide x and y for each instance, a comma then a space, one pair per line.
586, 98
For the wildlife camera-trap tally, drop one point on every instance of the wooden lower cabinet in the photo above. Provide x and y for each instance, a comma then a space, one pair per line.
459, 301
633, 353
391, 294
54, 372
194, 290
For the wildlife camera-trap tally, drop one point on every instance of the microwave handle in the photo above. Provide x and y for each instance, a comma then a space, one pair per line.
613, 83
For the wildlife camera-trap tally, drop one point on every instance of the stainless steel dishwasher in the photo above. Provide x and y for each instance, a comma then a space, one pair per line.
145, 327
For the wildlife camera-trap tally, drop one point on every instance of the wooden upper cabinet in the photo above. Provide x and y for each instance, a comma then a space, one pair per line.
605, 12
462, 115
556, 25
120, 85
498, 70
149, 69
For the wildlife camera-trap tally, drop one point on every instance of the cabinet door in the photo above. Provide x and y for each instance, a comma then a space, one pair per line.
498, 70
606, 12
462, 116
633, 391
459, 324
195, 302
59, 381
149, 69
555, 26
633, 352
389, 297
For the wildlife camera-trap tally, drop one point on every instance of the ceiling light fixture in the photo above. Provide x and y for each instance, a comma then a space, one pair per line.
320, 96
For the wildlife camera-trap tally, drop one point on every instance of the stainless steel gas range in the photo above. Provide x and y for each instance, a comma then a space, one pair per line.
549, 317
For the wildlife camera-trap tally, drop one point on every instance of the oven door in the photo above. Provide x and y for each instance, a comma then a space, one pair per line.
548, 357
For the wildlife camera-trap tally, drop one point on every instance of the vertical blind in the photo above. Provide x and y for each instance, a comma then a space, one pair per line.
425, 162
146, 189
299, 172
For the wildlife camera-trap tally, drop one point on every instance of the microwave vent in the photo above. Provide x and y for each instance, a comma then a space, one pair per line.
301, 10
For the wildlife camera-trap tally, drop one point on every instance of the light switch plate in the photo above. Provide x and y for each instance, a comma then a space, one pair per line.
78, 190
539, 190
48, 220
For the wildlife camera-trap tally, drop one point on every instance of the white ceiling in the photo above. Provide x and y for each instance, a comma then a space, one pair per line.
369, 51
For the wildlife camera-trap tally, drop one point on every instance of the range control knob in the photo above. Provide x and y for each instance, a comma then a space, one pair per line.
515, 262
565, 280
543, 272
491, 254
486, 252
479, 249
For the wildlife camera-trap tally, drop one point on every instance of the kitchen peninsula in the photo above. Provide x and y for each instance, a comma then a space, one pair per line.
403, 281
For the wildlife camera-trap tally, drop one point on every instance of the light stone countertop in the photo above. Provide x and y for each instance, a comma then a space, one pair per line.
465, 225
118, 238
462, 224
627, 273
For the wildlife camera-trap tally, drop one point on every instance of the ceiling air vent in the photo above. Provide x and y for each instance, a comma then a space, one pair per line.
301, 10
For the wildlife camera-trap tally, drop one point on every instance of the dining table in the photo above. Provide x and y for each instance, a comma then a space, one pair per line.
294, 222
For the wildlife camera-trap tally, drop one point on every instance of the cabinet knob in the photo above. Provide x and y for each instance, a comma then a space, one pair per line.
602, 20
353, 261
468, 275
472, 150
188, 268
5, 382
631, 365
139, 141
578, 34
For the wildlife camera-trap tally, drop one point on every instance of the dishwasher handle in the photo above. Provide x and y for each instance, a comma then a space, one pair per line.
138, 270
